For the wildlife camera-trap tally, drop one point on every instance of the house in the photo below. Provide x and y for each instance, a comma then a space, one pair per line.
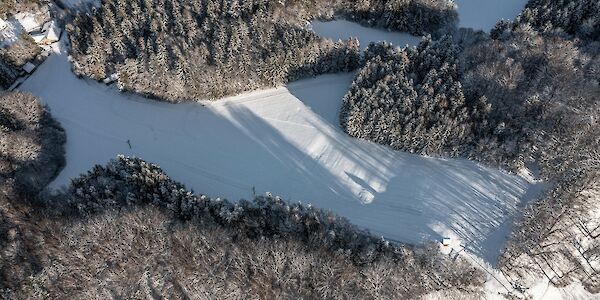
28, 21
3, 24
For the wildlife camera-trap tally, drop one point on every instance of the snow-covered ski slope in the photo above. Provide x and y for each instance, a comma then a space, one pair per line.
285, 141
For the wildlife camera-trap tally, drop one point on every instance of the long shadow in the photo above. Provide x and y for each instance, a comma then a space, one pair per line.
475, 202
229, 150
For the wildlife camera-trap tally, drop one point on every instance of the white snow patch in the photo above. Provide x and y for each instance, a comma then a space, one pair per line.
342, 30
28, 21
78, 3
10, 34
287, 141
484, 14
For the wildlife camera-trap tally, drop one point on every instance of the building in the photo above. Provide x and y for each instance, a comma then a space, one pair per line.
28, 21
53, 32
446, 241
29, 67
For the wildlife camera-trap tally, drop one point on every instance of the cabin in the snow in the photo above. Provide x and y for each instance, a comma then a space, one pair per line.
446, 241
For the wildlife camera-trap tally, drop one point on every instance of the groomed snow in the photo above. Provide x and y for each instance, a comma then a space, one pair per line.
285, 141
484, 14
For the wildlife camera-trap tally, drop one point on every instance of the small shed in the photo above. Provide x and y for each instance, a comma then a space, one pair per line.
446, 242
29, 67
3, 24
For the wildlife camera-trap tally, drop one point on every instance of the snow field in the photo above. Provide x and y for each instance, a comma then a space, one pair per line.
285, 141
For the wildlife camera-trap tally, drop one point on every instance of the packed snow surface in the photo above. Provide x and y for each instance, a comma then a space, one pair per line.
484, 14
286, 141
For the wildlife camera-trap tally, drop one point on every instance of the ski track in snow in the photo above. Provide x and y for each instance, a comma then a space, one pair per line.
286, 141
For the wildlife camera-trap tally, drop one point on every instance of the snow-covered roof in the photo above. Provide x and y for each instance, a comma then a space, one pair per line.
446, 241
52, 31
28, 21
38, 37
29, 67
10, 33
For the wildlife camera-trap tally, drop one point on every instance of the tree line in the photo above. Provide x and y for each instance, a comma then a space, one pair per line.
579, 18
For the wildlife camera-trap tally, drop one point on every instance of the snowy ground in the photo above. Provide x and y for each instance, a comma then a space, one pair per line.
484, 14
10, 34
342, 29
285, 141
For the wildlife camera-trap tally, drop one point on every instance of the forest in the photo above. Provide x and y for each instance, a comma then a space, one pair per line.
527, 95
222, 48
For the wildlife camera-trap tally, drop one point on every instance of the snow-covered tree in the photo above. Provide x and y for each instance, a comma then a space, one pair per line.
411, 99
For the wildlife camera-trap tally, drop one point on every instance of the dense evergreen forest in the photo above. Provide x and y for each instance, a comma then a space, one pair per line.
183, 50
579, 18
412, 100
529, 95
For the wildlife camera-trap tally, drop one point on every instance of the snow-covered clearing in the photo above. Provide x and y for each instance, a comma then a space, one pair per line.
342, 29
285, 141
484, 14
